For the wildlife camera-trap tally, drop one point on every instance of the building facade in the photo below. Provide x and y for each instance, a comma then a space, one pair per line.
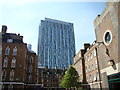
15, 58
31, 68
86, 64
92, 68
56, 43
0, 60
79, 63
50, 78
107, 29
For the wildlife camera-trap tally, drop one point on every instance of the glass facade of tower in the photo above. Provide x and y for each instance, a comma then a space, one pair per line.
56, 44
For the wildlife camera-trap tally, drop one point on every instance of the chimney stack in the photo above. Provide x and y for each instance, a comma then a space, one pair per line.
4, 29
86, 45
29, 46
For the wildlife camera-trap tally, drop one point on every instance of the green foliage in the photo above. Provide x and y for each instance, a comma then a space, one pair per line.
70, 79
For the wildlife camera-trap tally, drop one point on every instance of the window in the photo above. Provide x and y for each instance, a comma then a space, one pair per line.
88, 58
4, 75
107, 37
89, 68
13, 63
97, 75
12, 75
90, 55
96, 64
92, 67
86, 69
0, 50
90, 77
9, 40
15, 51
95, 78
10, 87
5, 63
30, 78
7, 51
30, 68
31, 59
94, 52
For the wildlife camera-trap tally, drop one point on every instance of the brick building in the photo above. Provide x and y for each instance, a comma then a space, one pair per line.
0, 60
79, 63
86, 63
15, 61
107, 29
50, 78
31, 68
92, 67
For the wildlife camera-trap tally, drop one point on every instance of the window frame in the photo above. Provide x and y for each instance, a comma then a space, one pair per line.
12, 73
5, 63
14, 51
13, 63
7, 50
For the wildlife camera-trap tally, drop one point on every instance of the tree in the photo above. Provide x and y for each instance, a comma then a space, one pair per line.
70, 79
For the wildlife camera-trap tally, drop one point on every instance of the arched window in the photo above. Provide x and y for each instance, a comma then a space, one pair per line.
7, 51
5, 63
15, 51
13, 63
31, 59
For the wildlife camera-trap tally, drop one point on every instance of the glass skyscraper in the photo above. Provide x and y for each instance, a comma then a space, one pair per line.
56, 44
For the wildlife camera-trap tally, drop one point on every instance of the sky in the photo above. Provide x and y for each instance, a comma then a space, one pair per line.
24, 16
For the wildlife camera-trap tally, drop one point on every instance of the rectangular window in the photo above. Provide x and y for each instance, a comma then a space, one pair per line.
10, 87
92, 67
9, 40
97, 75
86, 69
0, 50
7, 51
12, 75
96, 64
94, 52
30, 68
5, 63
30, 78
89, 68
15, 51
13, 63
4, 75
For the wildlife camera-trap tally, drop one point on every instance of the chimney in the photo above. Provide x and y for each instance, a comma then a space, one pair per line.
29, 46
4, 29
86, 45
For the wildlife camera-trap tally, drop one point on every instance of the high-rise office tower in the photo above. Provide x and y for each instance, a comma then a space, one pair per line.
56, 44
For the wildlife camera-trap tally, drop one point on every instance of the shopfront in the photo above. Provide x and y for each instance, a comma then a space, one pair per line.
114, 81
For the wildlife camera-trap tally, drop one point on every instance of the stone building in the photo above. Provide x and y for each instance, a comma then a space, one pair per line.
107, 29
16, 59
50, 78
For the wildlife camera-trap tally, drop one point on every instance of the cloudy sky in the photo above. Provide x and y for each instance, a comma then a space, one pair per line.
24, 16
